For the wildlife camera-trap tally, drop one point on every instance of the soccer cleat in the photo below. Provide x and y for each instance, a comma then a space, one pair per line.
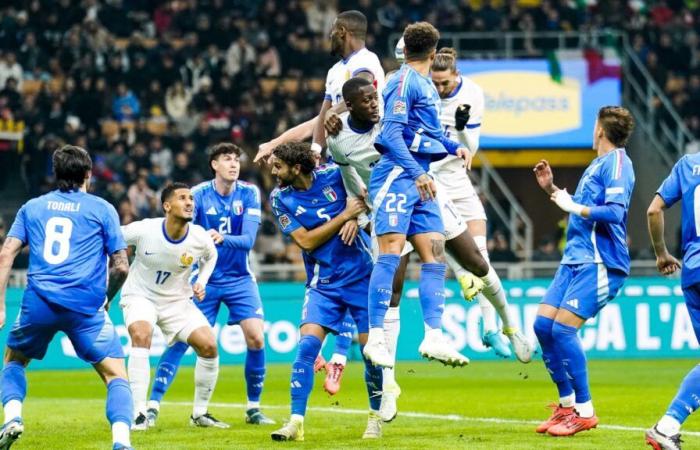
334, 373
492, 339
254, 416
118, 446
151, 417
374, 426
291, 431
559, 414
319, 364
573, 424
471, 286
10, 432
523, 350
388, 409
140, 423
660, 441
376, 352
439, 349
206, 420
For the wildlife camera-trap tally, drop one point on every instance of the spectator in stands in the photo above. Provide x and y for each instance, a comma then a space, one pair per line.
126, 107
499, 250
547, 251
141, 197
10, 68
268, 63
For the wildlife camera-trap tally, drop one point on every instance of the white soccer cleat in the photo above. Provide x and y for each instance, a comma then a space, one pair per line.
436, 347
10, 432
660, 441
207, 421
151, 417
140, 423
374, 426
377, 352
291, 431
521, 346
390, 394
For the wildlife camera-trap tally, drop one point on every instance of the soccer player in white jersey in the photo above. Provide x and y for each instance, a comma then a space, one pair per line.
461, 114
157, 292
347, 42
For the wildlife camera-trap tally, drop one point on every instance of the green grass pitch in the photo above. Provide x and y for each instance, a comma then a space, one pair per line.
488, 405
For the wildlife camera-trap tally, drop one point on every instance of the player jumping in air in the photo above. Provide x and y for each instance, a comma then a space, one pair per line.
403, 195
312, 208
70, 235
595, 264
682, 184
229, 209
158, 292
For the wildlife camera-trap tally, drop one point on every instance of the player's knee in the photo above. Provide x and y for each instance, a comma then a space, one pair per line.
140, 337
208, 349
543, 328
255, 341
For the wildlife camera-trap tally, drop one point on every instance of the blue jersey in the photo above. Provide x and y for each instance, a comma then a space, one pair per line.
608, 179
226, 214
412, 100
70, 236
682, 184
333, 264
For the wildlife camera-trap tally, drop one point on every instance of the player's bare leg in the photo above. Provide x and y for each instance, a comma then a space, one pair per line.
113, 373
253, 331
139, 370
206, 373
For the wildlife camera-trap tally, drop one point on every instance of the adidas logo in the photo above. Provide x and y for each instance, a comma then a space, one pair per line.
296, 384
300, 210
573, 303
212, 211
259, 311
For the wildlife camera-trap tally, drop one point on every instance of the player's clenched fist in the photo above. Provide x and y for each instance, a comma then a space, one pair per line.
354, 208
198, 291
462, 116
426, 187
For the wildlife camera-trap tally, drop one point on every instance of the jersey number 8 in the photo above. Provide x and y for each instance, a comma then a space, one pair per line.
58, 231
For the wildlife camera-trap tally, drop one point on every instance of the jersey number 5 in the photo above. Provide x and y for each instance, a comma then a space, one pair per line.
57, 232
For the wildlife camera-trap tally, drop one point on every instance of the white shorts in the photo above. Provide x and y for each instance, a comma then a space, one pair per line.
177, 320
458, 188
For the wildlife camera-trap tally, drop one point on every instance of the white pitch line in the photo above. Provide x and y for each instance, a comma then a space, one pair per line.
419, 415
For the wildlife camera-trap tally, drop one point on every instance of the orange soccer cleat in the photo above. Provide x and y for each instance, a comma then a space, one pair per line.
334, 372
572, 425
559, 414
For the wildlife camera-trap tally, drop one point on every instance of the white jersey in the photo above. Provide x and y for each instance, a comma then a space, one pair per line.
469, 93
362, 60
353, 150
162, 267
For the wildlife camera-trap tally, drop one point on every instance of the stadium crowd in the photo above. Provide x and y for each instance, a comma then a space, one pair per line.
148, 86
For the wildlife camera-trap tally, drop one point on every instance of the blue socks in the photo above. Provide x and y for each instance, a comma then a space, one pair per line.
432, 293
303, 373
550, 355
380, 284
14, 382
167, 368
119, 403
688, 397
573, 358
254, 373
373, 380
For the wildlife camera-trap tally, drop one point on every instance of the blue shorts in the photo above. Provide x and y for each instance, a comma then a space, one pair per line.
242, 299
93, 336
396, 204
583, 289
329, 307
692, 301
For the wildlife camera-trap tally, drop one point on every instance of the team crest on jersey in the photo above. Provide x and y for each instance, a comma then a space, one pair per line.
237, 207
399, 107
393, 220
285, 221
330, 194
186, 260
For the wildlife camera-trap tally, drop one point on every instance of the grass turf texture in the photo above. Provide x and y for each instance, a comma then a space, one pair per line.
65, 409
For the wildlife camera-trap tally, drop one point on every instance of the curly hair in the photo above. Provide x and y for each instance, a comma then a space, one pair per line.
420, 38
617, 123
293, 153
222, 148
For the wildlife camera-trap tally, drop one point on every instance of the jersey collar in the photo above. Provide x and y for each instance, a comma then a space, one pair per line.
356, 129
456, 90
345, 60
169, 239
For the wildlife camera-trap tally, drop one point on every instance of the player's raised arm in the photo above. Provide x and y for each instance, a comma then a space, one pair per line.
8, 253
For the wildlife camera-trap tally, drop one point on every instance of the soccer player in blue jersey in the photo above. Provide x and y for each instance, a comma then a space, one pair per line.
230, 209
403, 194
594, 267
312, 207
682, 184
70, 235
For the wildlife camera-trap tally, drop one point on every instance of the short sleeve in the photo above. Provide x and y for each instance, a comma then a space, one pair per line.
286, 220
132, 232
613, 177
476, 112
397, 99
19, 228
670, 190
114, 239
328, 94
252, 205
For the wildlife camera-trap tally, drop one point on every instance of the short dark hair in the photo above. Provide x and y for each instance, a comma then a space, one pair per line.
293, 153
420, 38
71, 165
353, 86
170, 189
355, 22
222, 148
617, 123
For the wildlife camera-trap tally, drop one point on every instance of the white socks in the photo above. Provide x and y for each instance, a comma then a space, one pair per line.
13, 409
337, 358
297, 418
568, 401
120, 434
152, 404
494, 292
376, 334
488, 314
392, 326
139, 371
669, 426
252, 405
585, 409
206, 372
